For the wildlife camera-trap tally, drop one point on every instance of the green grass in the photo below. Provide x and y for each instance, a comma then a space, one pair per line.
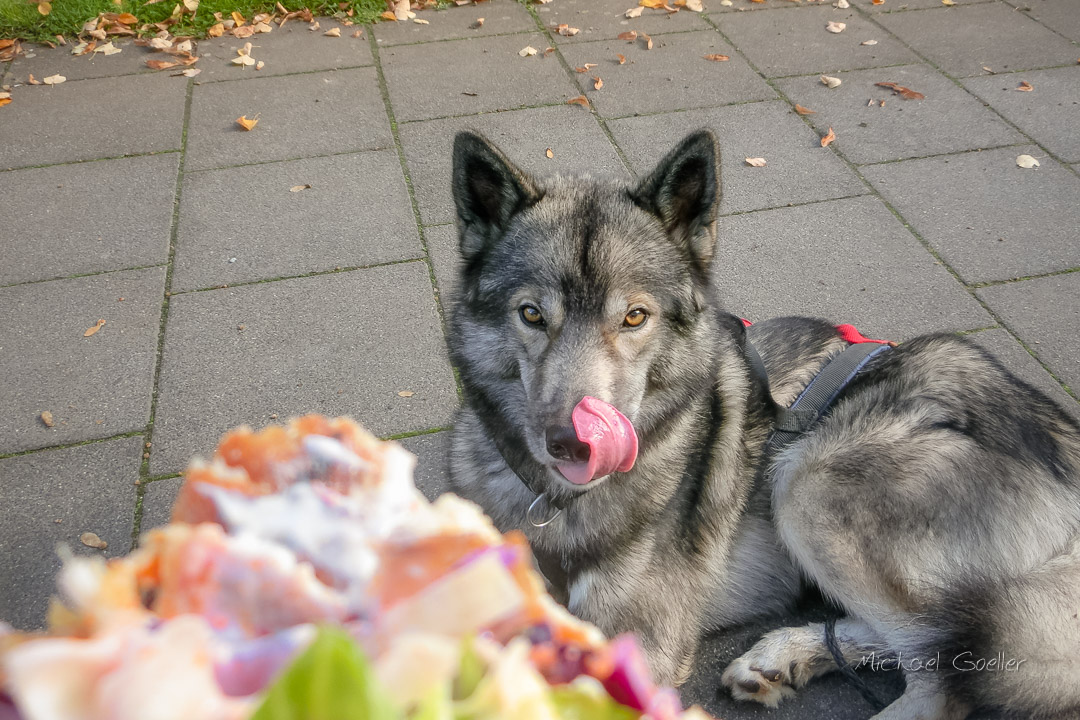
21, 19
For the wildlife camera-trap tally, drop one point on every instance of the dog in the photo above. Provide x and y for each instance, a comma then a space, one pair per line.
937, 503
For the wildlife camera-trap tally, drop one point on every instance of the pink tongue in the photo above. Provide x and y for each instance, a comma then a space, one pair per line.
610, 437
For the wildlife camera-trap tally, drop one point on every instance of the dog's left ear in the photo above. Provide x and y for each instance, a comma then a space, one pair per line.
488, 191
684, 193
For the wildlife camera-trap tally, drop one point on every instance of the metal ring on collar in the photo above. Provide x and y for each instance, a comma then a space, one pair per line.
532, 507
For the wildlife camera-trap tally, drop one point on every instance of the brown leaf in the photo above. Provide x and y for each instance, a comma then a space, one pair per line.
566, 31
597, 83
1025, 86
6, 43
550, 153
161, 64
31, 80
247, 123
622, 58
479, 23
358, 33
585, 68
388, 15
216, 30
755, 162
127, 18
244, 31
333, 32
829, 137
47, 418
299, 188
629, 35
717, 58
906, 93
803, 111
406, 393
89, 539
94, 329
579, 100
647, 39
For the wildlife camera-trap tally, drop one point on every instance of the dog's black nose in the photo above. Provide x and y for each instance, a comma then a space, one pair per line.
563, 444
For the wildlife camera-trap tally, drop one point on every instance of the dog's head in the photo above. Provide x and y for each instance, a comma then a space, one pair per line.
573, 289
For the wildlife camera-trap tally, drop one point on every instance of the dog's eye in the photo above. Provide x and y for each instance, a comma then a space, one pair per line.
635, 318
531, 315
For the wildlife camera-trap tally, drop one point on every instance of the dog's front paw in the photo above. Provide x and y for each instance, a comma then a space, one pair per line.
748, 681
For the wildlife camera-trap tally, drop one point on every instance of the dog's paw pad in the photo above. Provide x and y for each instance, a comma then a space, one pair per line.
748, 682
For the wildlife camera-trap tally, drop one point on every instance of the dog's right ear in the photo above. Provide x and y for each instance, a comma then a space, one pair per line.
488, 191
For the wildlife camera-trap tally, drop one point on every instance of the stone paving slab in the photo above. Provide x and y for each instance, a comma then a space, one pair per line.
849, 261
431, 462
48, 61
1045, 314
807, 46
96, 386
578, 144
73, 219
1051, 118
243, 224
890, 6
604, 19
799, 170
1058, 15
1019, 361
299, 115
500, 17
50, 498
674, 75
948, 120
989, 219
442, 242
288, 50
157, 501
460, 87
337, 344
115, 116
1006, 40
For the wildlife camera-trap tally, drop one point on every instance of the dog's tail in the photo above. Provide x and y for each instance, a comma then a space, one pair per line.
1016, 645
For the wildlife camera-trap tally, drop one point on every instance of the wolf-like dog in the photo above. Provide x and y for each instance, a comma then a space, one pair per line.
937, 503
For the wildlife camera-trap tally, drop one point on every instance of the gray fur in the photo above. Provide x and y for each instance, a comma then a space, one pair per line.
938, 503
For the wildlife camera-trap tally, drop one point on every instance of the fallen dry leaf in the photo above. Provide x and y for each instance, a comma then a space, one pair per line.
46, 417
420, 21
717, 58
260, 65
755, 162
262, 27
127, 18
313, 26
550, 153
388, 15
835, 27
868, 42
597, 83
1026, 161
527, 51
247, 123
842, 4
238, 18
1025, 86
634, 12
298, 188
54, 79
566, 31
333, 32
948, 3
585, 68
477, 24
242, 32
190, 72
726, 3
31, 80
803, 111
906, 93
107, 49
653, 4
691, 5
190, 5
621, 57
44, 8
90, 539
160, 43
5, 98
244, 60
548, 51
184, 47
647, 39
406, 393
629, 35
829, 137
832, 82
358, 33
579, 100
94, 329
878, 2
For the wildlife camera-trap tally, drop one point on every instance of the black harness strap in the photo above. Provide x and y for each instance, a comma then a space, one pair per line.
791, 422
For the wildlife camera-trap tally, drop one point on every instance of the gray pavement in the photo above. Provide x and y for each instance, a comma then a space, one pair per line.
131, 196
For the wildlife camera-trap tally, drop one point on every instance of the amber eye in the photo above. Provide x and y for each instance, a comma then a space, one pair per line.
531, 315
635, 318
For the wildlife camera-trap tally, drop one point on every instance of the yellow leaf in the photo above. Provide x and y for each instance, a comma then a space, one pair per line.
216, 30
388, 15
54, 79
655, 4
238, 18
44, 7
127, 18
247, 123
94, 329
245, 60
420, 21
5, 100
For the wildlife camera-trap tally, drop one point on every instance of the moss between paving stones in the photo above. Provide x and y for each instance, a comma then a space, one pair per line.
21, 19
